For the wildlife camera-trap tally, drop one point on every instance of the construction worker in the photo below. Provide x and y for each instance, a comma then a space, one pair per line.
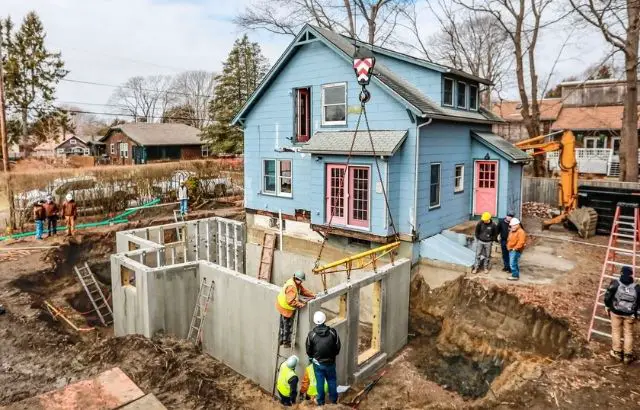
503, 232
287, 384
486, 233
309, 388
70, 213
183, 198
51, 211
515, 244
39, 217
288, 301
323, 345
621, 303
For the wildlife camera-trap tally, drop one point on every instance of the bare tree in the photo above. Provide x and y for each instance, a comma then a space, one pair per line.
195, 89
619, 23
145, 98
467, 41
378, 18
521, 21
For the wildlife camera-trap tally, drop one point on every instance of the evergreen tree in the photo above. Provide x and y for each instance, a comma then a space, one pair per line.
181, 114
31, 71
243, 70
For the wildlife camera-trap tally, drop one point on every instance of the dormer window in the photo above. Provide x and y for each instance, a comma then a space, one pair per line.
447, 93
462, 95
473, 97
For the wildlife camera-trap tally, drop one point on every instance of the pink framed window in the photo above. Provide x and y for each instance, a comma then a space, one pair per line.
348, 195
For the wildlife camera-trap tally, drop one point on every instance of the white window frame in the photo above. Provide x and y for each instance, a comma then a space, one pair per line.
346, 106
204, 150
453, 91
72, 141
439, 164
595, 142
466, 95
277, 192
457, 188
473, 90
60, 151
113, 148
124, 153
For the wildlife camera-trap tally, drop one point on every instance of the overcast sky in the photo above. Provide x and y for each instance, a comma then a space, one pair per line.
108, 41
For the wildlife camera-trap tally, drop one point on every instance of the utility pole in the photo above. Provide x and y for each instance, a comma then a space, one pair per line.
5, 148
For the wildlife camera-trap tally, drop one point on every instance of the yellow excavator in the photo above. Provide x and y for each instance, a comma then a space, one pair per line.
584, 219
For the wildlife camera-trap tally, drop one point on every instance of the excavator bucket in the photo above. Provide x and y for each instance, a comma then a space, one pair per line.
585, 220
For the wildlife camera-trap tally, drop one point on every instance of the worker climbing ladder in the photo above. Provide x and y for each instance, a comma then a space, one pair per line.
281, 356
622, 250
200, 311
94, 292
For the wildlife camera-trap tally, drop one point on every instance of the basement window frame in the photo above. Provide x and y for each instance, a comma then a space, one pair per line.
278, 177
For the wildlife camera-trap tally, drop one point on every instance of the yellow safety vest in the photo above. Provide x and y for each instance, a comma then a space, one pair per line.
313, 389
282, 296
283, 380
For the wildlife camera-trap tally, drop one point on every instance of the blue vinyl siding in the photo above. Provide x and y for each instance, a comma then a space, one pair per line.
269, 127
450, 145
514, 191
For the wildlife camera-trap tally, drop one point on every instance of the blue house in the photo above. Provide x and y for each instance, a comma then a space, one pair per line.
435, 155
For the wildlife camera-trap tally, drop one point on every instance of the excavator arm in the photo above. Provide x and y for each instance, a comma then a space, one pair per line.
585, 218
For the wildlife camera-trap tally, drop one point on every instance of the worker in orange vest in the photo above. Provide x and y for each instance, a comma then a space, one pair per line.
288, 301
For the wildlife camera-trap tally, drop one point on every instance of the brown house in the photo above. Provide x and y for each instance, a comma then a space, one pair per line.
72, 146
141, 143
513, 129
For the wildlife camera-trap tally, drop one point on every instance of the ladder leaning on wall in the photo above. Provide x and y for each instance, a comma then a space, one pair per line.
94, 292
281, 357
205, 294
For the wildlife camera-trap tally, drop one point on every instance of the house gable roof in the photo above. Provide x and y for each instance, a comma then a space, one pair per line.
73, 137
590, 118
403, 91
501, 146
150, 134
385, 143
510, 110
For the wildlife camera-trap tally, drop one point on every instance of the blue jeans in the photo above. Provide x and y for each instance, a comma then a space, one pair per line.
183, 206
505, 254
328, 372
39, 229
514, 258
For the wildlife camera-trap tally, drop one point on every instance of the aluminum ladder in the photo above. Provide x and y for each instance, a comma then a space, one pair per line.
179, 217
622, 250
93, 290
200, 312
281, 357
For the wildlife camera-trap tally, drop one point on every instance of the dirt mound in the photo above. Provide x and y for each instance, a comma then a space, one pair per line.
174, 370
467, 335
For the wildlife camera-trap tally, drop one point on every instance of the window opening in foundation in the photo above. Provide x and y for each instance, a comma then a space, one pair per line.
170, 235
133, 246
369, 329
335, 309
127, 276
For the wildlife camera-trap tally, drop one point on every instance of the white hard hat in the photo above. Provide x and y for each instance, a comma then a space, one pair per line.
319, 318
292, 362
69, 197
514, 222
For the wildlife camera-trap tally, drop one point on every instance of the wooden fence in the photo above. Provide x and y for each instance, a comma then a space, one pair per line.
545, 190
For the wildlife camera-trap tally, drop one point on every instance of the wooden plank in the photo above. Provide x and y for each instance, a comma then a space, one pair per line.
342, 309
376, 310
266, 257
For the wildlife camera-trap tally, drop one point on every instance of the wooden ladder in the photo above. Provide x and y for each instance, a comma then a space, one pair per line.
93, 290
623, 248
266, 257
200, 312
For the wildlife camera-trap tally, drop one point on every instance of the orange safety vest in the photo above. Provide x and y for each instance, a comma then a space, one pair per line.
282, 296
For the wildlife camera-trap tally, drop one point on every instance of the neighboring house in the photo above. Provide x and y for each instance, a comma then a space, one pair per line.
140, 143
73, 146
44, 150
513, 128
298, 128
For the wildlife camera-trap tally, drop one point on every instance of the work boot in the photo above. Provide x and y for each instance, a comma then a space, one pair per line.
512, 278
506, 269
616, 355
486, 271
629, 358
474, 270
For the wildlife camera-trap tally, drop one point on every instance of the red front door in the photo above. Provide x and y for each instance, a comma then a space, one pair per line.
486, 188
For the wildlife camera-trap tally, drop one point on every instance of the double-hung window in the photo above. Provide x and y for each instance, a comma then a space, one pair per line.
348, 195
473, 97
459, 179
204, 150
462, 95
303, 114
434, 186
124, 150
277, 177
113, 149
447, 94
334, 104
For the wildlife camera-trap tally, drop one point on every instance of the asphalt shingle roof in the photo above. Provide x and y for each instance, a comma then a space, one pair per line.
339, 142
501, 146
160, 134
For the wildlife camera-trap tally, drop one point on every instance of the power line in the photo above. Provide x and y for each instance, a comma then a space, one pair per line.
69, 80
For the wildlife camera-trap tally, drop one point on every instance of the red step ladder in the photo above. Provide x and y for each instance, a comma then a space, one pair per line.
623, 248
